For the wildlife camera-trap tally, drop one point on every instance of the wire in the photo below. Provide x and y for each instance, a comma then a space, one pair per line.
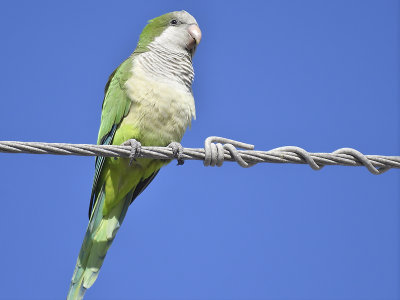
216, 150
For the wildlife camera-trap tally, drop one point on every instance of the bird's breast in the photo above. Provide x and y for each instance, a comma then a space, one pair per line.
161, 110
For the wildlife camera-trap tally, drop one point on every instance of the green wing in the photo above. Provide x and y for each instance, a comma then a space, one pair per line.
115, 107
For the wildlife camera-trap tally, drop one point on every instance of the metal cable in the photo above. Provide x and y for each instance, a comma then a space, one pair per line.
216, 151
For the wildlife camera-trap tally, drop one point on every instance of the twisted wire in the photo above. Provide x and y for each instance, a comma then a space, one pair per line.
216, 150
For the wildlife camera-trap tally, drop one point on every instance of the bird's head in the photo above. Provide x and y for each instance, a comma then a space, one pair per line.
176, 31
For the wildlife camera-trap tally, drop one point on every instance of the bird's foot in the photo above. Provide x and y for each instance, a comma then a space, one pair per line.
136, 148
177, 151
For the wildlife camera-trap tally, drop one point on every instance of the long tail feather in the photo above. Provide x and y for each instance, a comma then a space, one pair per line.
99, 235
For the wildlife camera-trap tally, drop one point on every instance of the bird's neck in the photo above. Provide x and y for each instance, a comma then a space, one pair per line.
164, 64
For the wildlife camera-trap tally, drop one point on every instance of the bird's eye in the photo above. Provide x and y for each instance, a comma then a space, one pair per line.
174, 22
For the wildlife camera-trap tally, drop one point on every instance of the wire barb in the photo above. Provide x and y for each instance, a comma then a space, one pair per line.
216, 151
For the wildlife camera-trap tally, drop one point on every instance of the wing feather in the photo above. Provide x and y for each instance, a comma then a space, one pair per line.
116, 105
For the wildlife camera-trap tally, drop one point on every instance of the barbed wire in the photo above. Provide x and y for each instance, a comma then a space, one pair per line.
216, 150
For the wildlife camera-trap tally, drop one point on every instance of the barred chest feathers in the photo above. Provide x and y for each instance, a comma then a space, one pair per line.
162, 106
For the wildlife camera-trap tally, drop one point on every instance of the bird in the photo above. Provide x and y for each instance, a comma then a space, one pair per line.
148, 99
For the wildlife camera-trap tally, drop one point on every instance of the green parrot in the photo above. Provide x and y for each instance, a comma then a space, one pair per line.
148, 98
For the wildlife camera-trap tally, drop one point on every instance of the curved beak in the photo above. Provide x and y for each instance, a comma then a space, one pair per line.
195, 33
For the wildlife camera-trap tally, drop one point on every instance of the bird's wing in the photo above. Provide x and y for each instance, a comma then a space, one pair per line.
116, 105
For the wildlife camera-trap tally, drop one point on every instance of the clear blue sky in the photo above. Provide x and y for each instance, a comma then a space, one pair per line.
316, 74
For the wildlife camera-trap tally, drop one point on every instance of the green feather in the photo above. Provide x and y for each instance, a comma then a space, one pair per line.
153, 29
98, 238
116, 102
116, 105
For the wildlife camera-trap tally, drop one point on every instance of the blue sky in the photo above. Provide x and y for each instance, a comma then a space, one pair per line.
316, 74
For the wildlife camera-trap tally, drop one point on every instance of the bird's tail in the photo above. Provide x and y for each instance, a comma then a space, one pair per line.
98, 238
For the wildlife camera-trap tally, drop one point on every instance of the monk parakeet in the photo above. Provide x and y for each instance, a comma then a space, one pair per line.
147, 98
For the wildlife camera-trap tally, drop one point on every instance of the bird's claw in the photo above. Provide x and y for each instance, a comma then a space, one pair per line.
177, 151
136, 148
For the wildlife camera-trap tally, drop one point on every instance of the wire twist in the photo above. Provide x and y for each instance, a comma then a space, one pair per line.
216, 151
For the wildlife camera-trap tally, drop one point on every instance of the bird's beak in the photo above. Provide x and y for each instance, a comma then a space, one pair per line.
195, 33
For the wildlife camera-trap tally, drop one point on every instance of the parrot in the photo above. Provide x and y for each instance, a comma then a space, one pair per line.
147, 99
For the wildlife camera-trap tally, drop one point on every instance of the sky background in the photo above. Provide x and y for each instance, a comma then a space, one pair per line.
316, 74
